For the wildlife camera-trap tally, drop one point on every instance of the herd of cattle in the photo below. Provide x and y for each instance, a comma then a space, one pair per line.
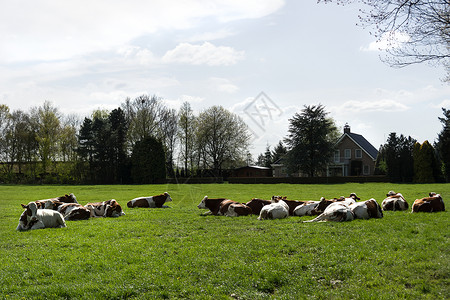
53, 212
337, 209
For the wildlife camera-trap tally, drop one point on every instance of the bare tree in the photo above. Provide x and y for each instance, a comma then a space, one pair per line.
416, 30
186, 134
222, 136
167, 133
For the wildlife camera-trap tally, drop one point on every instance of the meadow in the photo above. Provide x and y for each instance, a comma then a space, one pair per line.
175, 253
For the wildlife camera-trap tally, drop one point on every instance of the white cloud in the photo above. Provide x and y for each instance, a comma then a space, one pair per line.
209, 36
387, 41
223, 85
49, 30
383, 105
205, 54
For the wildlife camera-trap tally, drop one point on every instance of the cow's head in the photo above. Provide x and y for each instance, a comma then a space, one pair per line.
353, 195
202, 204
68, 198
167, 197
374, 209
31, 209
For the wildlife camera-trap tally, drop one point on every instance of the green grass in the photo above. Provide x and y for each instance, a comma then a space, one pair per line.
176, 253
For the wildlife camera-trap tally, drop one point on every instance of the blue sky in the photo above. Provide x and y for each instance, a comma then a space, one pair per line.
84, 55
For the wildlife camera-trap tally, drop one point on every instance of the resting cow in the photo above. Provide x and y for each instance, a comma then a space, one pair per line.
109, 208
366, 210
223, 207
337, 212
34, 218
394, 201
151, 201
278, 209
257, 204
306, 209
74, 212
434, 203
52, 202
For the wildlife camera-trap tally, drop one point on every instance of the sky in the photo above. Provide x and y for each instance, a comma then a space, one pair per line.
264, 60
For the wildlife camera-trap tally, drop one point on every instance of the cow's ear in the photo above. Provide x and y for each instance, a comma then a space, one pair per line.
24, 206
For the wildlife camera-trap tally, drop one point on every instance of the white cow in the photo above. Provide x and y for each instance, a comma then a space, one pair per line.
337, 211
34, 218
275, 210
366, 209
305, 209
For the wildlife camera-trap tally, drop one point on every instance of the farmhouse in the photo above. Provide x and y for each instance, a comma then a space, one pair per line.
353, 156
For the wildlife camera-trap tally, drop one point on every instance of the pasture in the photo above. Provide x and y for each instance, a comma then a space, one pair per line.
175, 253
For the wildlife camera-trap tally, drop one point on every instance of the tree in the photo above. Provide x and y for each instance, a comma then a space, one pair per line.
148, 161
424, 163
222, 137
416, 30
311, 140
443, 143
118, 149
186, 135
279, 151
167, 133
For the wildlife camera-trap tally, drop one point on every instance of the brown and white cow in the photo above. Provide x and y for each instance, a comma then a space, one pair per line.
224, 207
34, 218
306, 209
434, 203
366, 210
337, 212
324, 203
257, 204
109, 208
394, 201
74, 212
151, 201
53, 203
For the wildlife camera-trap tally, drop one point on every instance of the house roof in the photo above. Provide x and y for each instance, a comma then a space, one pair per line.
361, 142
253, 167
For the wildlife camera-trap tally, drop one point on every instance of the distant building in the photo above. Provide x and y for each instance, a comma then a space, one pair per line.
353, 156
252, 171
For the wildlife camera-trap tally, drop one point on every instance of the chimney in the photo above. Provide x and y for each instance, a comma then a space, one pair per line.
346, 128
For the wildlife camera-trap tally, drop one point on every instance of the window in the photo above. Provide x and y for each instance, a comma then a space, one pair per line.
358, 153
337, 155
366, 170
347, 154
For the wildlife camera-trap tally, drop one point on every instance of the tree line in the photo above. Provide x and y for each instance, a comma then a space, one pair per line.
134, 143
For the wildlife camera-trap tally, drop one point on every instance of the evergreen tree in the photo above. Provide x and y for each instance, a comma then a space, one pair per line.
443, 144
148, 161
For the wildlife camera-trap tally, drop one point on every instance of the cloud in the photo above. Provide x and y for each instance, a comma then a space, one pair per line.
49, 30
383, 105
205, 54
223, 85
387, 41
209, 36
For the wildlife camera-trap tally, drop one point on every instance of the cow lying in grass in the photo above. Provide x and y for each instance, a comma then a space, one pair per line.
434, 203
52, 203
394, 201
224, 207
109, 208
336, 211
366, 209
34, 218
74, 212
151, 201
278, 209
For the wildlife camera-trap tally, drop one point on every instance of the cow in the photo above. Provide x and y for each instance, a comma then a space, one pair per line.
223, 207
305, 209
151, 201
53, 203
434, 203
109, 208
74, 211
293, 204
394, 201
257, 204
278, 209
324, 203
337, 212
34, 218
366, 210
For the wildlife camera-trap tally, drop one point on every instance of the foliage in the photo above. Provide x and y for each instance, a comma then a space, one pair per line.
148, 161
443, 143
222, 137
177, 254
415, 31
425, 163
311, 140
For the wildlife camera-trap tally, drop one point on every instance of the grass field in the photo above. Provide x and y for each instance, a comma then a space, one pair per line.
175, 253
